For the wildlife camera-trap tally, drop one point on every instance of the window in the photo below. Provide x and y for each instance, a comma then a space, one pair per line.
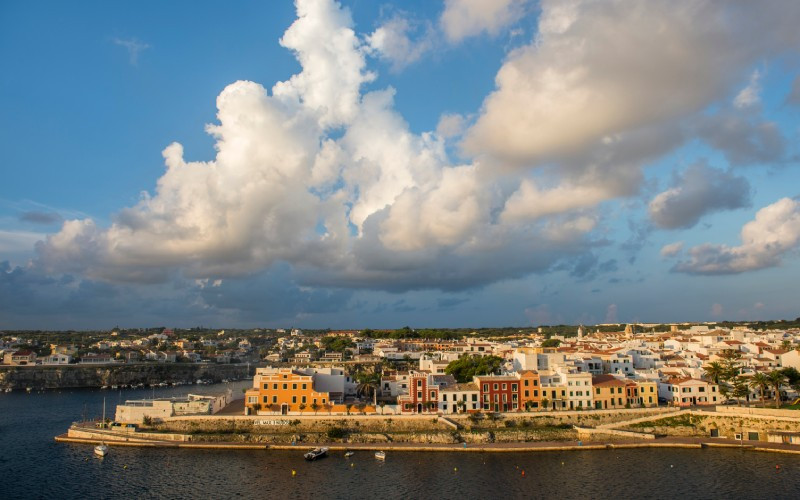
274, 399
514, 387
485, 387
275, 386
525, 383
527, 394
444, 398
474, 397
294, 399
598, 390
504, 387
419, 394
286, 376
433, 395
419, 383
314, 401
285, 386
266, 399
303, 399
305, 386
323, 400
495, 387
266, 386
536, 394
294, 387
702, 389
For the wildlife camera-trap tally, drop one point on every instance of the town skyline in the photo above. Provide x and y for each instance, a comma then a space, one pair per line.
331, 164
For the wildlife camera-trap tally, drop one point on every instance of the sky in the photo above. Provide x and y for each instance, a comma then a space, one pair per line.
354, 163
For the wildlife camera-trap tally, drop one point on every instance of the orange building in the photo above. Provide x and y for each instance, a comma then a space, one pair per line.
530, 394
284, 390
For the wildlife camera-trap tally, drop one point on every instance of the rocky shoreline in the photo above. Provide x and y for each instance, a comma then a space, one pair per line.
38, 378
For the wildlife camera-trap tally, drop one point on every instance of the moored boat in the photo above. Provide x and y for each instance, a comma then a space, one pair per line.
101, 450
316, 453
349, 453
380, 455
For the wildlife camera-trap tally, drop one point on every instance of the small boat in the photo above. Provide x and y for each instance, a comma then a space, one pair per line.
316, 453
101, 450
380, 455
349, 453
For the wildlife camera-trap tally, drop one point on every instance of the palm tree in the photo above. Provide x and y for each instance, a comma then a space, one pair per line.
368, 384
715, 371
760, 381
776, 379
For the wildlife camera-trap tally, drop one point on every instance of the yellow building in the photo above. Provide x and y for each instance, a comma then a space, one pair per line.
643, 393
609, 392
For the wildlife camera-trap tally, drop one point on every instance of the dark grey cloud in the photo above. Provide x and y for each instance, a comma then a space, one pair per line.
698, 191
743, 139
794, 94
36, 217
32, 299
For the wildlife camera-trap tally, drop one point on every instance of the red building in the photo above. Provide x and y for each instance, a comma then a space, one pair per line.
499, 393
422, 397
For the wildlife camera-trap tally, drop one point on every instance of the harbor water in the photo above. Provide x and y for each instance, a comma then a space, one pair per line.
33, 465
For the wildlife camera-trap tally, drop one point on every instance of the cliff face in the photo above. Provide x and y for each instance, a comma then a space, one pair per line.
75, 376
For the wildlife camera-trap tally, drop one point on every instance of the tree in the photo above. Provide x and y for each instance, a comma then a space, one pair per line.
776, 379
368, 385
256, 408
714, 371
551, 343
382, 404
328, 407
314, 407
466, 367
302, 406
545, 403
741, 390
348, 406
360, 406
461, 405
792, 377
760, 381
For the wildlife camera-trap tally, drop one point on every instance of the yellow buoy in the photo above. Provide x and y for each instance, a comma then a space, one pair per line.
294, 472
455, 469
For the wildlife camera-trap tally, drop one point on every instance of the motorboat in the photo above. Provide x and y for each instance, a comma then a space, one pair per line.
316, 453
380, 455
349, 453
101, 450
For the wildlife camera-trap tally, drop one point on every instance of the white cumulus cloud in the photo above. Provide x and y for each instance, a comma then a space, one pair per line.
465, 18
773, 234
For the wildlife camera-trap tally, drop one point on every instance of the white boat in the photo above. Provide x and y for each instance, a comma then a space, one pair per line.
349, 453
316, 453
380, 455
101, 450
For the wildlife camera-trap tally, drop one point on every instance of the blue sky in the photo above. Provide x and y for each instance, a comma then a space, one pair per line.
377, 164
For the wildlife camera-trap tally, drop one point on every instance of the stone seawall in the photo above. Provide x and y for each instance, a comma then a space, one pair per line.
81, 376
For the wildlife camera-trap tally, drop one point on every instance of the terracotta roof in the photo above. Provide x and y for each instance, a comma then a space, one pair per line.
607, 380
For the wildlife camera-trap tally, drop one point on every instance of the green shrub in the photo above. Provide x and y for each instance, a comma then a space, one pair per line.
337, 432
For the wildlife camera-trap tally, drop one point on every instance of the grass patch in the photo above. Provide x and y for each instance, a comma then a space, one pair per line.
685, 420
